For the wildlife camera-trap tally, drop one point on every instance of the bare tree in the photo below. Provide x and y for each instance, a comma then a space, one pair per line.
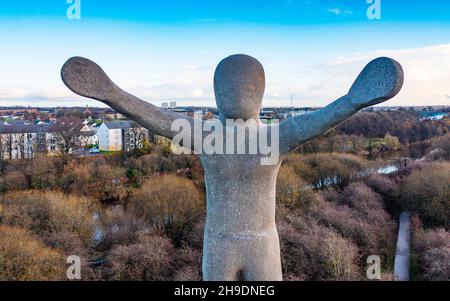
66, 132
2, 150
6, 146
19, 145
2, 146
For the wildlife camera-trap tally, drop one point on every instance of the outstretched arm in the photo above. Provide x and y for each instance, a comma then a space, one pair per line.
379, 81
86, 78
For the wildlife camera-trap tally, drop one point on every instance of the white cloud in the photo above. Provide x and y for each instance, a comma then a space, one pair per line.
335, 11
426, 69
338, 11
188, 83
427, 81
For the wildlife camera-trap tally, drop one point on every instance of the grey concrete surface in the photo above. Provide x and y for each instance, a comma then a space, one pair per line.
401, 263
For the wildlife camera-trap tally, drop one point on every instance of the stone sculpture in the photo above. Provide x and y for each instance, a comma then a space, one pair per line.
241, 241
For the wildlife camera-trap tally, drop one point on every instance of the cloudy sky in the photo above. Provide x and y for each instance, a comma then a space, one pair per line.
168, 50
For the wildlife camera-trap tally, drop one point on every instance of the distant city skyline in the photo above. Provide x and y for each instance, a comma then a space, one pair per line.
168, 51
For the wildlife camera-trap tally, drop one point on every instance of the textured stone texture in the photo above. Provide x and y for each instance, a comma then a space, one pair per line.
239, 83
241, 239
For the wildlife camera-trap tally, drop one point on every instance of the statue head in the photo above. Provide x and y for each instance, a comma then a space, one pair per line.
239, 83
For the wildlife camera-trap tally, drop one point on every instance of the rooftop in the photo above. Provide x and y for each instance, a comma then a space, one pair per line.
121, 124
21, 126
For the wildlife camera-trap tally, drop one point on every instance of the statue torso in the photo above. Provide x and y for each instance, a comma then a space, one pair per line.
240, 193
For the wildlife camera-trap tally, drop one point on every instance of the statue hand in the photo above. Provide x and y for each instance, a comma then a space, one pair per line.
379, 81
86, 78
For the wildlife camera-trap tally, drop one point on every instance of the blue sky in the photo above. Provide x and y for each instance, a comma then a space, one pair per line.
168, 50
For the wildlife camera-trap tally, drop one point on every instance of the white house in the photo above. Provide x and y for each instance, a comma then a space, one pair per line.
87, 135
118, 135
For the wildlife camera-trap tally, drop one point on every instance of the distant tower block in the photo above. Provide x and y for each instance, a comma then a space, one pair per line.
164, 105
173, 104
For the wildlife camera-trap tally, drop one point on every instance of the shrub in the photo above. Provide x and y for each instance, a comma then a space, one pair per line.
371, 229
194, 238
427, 193
96, 178
170, 204
322, 170
298, 164
419, 149
73, 214
187, 273
188, 264
109, 182
25, 209
15, 180
77, 177
387, 189
442, 145
149, 164
119, 228
364, 200
299, 252
148, 259
69, 243
292, 191
431, 251
42, 173
339, 256
437, 264
46, 213
197, 174
351, 168
22, 257
313, 252
177, 162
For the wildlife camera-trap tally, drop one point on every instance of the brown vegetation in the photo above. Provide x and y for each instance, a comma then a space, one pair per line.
427, 192
49, 213
169, 204
322, 170
148, 259
23, 257
292, 190
312, 252
141, 214
431, 254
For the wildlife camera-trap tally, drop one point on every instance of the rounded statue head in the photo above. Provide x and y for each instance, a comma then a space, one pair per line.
239, 83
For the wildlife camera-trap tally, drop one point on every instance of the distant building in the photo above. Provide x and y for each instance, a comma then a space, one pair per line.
169, 105
110, 114
430, 115
121, 135
17, 111
23, 140
88, 135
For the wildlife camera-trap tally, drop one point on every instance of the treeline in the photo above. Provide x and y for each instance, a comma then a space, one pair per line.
380, 133
402, 124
